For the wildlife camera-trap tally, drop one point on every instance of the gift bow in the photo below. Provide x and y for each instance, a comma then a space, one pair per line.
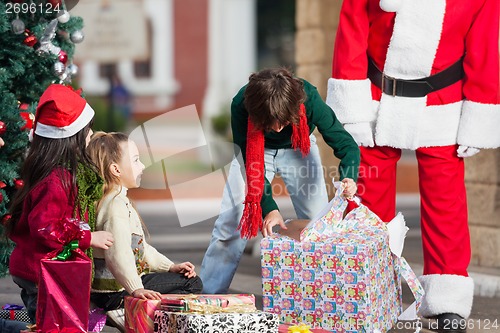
302, 328
65, 254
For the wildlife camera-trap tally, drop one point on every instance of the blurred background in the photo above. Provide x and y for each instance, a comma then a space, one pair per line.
142, 58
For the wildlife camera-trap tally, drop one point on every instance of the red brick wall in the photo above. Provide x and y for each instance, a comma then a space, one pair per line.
191, 51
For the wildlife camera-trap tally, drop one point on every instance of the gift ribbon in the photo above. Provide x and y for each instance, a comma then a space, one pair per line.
302, 328
12, 307
65, 254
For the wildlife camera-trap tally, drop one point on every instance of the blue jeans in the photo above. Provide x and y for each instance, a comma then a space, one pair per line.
305, 183
11, 326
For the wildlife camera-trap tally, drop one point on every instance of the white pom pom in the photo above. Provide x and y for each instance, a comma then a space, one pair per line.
390, 5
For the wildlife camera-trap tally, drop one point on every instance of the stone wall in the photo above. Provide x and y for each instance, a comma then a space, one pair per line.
316, 22
483, 193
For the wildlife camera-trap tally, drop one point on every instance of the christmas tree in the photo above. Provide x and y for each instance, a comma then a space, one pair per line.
37, 44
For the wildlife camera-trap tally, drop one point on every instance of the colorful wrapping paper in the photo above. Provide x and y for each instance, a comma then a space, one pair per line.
97, 319
284, 328
140, 314
174, 322
343, 282
195, 302
64, 294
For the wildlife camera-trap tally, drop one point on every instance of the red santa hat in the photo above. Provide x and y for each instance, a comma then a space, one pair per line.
61, 113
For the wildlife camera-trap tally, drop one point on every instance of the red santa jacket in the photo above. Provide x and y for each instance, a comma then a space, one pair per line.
46, 204
410, 39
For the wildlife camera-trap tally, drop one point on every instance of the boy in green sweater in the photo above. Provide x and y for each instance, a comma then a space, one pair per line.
272, 120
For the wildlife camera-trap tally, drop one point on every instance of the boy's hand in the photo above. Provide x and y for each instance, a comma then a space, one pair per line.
185, 268
272, 218
350, 188
101, 239
146, 294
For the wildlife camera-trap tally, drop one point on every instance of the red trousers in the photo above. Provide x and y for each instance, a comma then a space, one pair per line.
443, 202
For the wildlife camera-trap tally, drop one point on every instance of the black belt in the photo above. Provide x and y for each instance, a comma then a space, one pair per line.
417, 87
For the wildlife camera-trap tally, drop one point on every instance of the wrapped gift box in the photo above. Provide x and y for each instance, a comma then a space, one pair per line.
255, 322
284, 328
186, 303
18, 314
64, 294
97, 320
343, 282
140, 314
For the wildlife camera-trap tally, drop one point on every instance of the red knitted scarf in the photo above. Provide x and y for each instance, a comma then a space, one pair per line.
251, 221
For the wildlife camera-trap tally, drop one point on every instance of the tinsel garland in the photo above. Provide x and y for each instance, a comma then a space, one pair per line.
90, 186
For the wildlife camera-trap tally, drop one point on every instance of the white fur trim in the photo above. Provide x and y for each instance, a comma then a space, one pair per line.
415, 39
446, 293
53, 132
479, 125
351, 100
390, 5
409, 124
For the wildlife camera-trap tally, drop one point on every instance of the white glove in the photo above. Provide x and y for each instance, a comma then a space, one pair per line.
362, 133
466, 151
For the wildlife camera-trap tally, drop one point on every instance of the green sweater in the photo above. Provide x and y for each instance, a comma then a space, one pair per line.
318, 115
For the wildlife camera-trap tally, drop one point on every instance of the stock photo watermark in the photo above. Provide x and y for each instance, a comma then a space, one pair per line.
182, 158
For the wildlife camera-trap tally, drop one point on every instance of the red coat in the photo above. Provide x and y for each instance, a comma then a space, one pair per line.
414, 39
47, 203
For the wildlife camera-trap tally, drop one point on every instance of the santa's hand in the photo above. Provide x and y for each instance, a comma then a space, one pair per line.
466, 151
362, 133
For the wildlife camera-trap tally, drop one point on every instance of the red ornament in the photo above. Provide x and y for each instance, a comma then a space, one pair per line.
29, 39
2, 184
63, 57
29, 118
18, 183
3, 128
6, 218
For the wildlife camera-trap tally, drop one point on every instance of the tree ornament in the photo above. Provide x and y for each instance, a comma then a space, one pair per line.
18, 26
72, 69
6, 218
77, 36
29, 39
46, 41
2, 185
59, 68
63, 57
63, 16
3, 128
29, 118
18, 183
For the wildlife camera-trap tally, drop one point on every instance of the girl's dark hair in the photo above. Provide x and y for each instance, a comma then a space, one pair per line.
44, 156
273, 96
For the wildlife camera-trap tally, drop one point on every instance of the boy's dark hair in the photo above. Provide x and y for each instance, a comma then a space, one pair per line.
273, 96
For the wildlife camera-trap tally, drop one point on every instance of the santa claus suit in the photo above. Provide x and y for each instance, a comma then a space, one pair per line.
409, 39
